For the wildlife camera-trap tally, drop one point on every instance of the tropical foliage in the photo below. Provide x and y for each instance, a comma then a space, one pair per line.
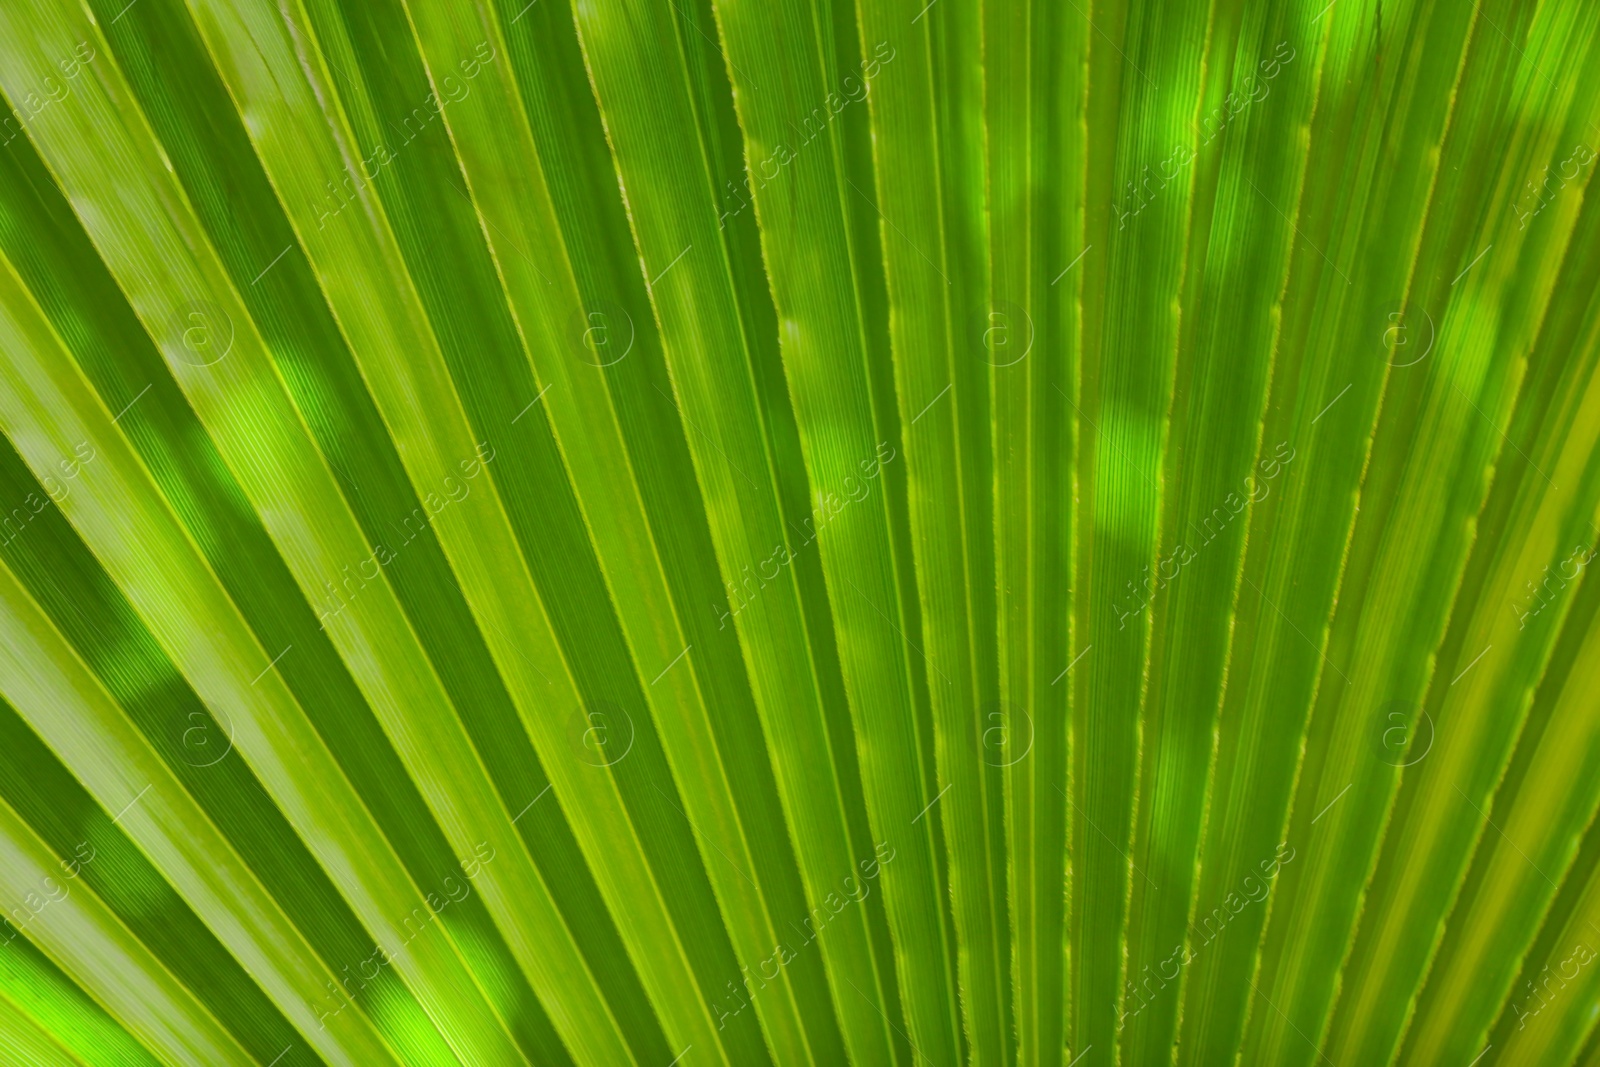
801, 532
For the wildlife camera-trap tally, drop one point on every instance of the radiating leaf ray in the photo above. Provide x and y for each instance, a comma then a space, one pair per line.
333, 399
553, 542
1450, 1011
621, 329
1346, 293
34, 987
852, 63
1548, 1014
1249, 173
396, 688
1488, 665
551, 736
928, 197
219, 527
70, 711
1409, 548
195, 742
840, 405
888, 730
119, 517
112, 867
495, 147
1144, 268
1109, 73
1533, 838
25, 1040
1035, 88
627, 480
79, 932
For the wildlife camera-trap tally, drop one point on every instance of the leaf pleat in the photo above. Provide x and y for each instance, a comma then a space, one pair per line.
1449, 1010
823, 531
1368, 172
1410, 543
1128, 400
232, 671
1035, 59
37, 991
1249, 175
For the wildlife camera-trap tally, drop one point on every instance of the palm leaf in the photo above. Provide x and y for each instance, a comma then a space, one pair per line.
695, 532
